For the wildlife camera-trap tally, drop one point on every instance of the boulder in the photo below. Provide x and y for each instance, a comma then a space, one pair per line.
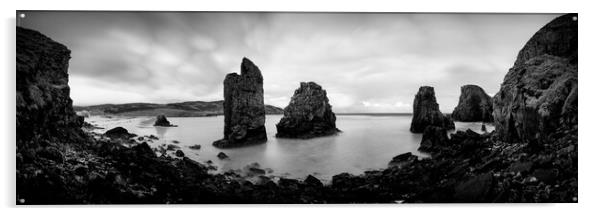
402, 160
539, 94
196, 147
162, 121
43, 105
180, 153
308, 114
222, 156
244, 112
172, 147
433, 139
313, 181
119, 132
426, 111
474, 105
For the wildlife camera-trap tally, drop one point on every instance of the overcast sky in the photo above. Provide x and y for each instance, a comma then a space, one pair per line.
366, 62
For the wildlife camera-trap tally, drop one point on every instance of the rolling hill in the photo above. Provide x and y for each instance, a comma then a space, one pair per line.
183, 109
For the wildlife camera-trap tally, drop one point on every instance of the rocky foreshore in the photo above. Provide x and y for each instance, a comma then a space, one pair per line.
59, 163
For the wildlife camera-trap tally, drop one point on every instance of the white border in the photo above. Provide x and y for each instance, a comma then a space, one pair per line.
589, 78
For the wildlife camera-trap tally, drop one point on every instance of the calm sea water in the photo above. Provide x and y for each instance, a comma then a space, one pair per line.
366, 143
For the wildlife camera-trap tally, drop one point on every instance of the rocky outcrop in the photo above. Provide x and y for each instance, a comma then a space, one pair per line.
44, 108
426, 111
119, 132
162, 121
222, 156
244, 112
539, 94
474, 105
557, 38
308, 114
433, 139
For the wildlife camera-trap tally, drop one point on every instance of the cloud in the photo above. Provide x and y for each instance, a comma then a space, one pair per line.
367, 62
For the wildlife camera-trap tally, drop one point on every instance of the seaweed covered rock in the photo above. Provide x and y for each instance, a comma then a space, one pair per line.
308, 114
426, 111
44, 108
539, 94
162, 121
244, 112
474, 105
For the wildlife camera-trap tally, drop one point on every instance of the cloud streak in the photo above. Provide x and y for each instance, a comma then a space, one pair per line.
367, 62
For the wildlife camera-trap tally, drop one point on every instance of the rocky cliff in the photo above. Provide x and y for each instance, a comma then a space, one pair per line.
44, 108
426, 111
308, 114
244, 112
539, 93
474, 105
557, 38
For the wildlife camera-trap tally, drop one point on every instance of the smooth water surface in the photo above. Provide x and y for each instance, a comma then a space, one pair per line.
366, 143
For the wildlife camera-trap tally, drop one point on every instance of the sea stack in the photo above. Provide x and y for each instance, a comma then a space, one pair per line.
474, 105
308, 114
244, 112
539, 93
426, 112
162, 121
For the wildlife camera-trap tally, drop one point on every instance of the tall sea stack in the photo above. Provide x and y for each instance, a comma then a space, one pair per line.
539, 93
308, 114
244, 112
44, 108
474, 105
426, 112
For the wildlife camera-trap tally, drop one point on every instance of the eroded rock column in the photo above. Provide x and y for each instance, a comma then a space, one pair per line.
244, 112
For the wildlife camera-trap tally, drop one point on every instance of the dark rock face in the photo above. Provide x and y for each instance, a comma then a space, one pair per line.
244, 112
43, 103
308, 114
162, 121
557, 38
426, 111
474, 105
539, 94
433, 138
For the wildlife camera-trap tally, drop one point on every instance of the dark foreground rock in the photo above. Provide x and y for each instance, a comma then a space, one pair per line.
162, 121
308, 114
539, 94
426, 111
244, 113
474, 105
